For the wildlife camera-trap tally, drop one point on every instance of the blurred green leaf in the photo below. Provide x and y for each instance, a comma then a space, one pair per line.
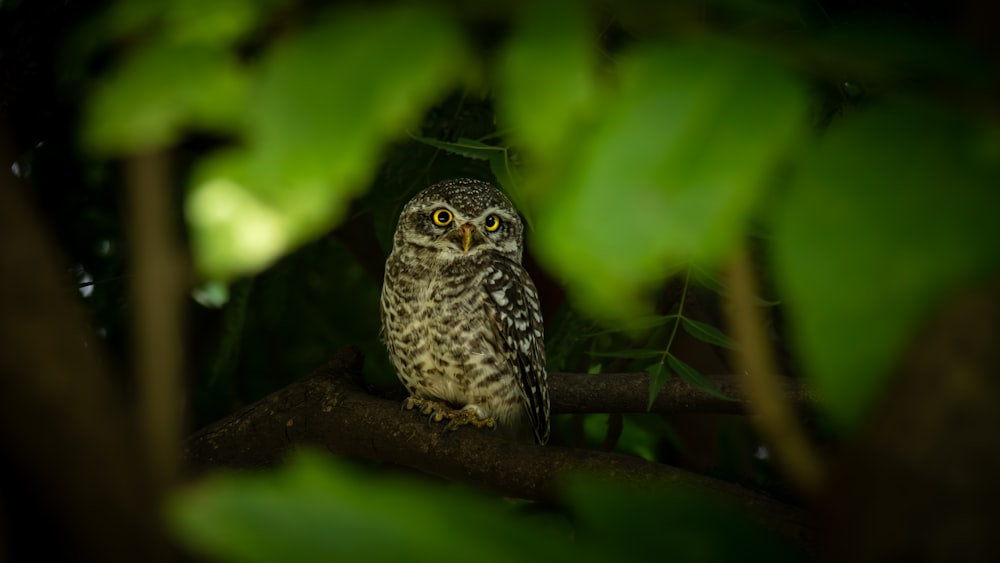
160, 90
692, 376
707, 333
668, 523
688, 144
329, 98
890, 212
640, 440
187, 21
507, 174
547, 77
708, 280
313, 509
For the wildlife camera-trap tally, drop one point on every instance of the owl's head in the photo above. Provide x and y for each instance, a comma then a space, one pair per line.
459, 218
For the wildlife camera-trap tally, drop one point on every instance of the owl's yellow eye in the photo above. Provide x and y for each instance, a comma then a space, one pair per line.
492, 223
442, 217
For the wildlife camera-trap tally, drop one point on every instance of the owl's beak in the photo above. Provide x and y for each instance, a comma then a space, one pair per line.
467, 236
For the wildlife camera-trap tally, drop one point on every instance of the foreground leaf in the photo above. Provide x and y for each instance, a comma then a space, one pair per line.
688, 145
160, 91
669, 523
327, 101
317, 510
891, 212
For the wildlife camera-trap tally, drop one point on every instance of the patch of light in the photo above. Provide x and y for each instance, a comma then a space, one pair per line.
86, 282
211, 294
104, 247
235, 231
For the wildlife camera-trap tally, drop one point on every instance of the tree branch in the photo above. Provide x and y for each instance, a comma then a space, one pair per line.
330, 408
629, 393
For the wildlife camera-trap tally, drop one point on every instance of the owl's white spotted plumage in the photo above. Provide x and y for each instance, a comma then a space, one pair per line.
460, 315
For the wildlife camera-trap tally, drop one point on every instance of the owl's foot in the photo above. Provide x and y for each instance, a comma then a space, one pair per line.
433, 409
468, 416
436, 411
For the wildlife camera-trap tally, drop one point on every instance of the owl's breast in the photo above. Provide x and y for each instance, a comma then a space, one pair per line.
436, 333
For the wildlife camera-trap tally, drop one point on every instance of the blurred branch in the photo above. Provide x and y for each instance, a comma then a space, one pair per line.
158, 284
777, 422
330, 408
64, 430
629, 393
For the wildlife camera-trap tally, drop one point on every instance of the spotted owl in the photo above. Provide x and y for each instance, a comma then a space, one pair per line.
460, 315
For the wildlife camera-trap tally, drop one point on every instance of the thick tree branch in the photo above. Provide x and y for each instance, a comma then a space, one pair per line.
331, 409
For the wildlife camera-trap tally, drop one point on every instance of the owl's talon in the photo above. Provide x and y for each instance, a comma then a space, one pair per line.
411, 403
468, 417
434, 411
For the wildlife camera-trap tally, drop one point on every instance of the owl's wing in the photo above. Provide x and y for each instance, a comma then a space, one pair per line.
518, 323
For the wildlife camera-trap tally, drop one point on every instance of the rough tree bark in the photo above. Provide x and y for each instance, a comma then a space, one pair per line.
331, 409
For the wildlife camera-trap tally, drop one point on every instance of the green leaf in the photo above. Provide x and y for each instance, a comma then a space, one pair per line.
463, 147
707, 333
700, 525
328, 100
316, 510
508, 175
658, 376
186, 21
706, 279
691, 375
160, 90
547, 77
891, 212
505, 172
668, 175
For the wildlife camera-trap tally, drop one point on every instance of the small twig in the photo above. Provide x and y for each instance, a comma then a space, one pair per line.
776, 421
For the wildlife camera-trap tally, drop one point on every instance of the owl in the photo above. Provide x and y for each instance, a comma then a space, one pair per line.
460, 315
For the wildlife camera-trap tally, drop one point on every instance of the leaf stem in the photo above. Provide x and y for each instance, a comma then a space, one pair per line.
679, 315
